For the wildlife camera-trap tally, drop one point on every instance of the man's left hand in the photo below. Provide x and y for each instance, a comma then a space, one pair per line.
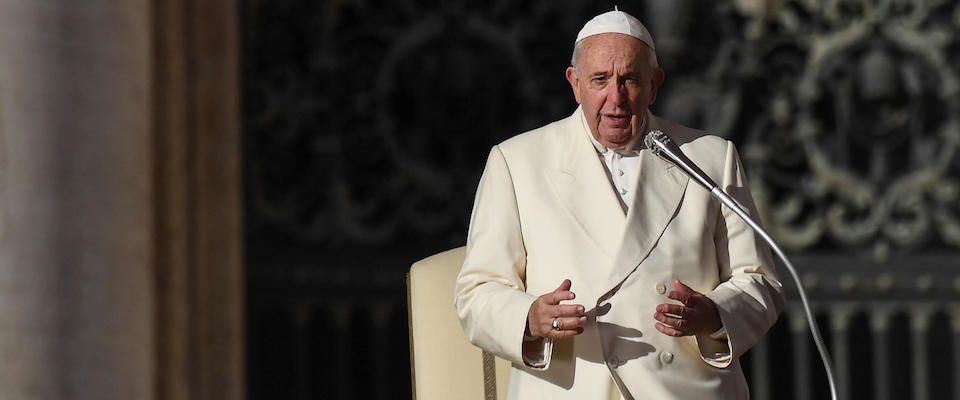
697, 315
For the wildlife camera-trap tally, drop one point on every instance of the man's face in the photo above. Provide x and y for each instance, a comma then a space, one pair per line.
614, 82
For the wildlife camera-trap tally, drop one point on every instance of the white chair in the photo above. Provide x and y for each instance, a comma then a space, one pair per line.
443, 364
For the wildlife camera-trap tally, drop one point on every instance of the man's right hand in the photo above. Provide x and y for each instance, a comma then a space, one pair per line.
546, 308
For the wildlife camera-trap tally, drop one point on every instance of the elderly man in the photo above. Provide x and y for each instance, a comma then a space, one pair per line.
596, 267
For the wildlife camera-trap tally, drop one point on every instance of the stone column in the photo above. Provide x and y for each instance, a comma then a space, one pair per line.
199, 256
75, 200
120, 237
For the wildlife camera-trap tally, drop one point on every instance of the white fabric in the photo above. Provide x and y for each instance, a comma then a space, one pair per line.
623, 163
616, 22
544, 212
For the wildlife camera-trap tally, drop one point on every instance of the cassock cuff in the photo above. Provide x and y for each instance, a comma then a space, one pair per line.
715, 348
536, 352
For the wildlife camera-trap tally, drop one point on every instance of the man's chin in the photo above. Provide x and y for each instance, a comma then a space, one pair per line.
617, 138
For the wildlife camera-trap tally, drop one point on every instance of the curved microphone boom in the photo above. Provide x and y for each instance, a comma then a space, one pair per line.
661, 145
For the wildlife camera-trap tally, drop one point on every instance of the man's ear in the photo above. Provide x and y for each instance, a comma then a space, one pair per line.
574, 82
655, 81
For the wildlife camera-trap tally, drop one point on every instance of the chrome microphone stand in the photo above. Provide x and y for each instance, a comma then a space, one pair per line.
663, 146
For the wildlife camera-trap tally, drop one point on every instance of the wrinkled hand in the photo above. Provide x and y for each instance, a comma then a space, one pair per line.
570, 317
697, 315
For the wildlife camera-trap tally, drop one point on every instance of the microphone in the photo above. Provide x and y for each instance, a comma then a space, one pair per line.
664, 147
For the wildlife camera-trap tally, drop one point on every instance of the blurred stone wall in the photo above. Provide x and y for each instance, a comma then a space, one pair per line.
75, 205
120, 217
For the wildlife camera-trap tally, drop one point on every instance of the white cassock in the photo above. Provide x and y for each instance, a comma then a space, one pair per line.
547, 209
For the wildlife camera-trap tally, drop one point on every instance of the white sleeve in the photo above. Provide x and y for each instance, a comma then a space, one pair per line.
749, 297
490, 294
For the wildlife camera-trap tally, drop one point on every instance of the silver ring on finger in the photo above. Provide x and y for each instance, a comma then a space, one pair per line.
682, 309
556, 324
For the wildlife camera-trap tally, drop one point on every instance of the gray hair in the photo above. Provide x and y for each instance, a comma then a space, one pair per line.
651, 56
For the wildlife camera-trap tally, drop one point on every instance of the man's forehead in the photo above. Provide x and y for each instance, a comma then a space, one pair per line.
612, 40
613, 44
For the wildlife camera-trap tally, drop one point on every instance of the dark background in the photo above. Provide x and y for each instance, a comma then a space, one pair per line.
366, 125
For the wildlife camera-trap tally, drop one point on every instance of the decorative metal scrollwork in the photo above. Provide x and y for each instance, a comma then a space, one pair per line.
859, 145
368, 123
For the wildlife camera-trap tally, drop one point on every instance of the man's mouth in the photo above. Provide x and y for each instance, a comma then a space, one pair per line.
617, 120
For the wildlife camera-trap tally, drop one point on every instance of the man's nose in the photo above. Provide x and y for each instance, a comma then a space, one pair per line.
616, 93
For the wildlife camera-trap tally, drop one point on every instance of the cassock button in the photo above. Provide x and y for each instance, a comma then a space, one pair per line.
661, 288
666, 357
613, 361
623, 191
620, 172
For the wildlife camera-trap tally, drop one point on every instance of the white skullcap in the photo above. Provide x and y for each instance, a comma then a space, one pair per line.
616, 21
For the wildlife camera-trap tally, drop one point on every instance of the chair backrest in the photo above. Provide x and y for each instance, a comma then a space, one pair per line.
443, 363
